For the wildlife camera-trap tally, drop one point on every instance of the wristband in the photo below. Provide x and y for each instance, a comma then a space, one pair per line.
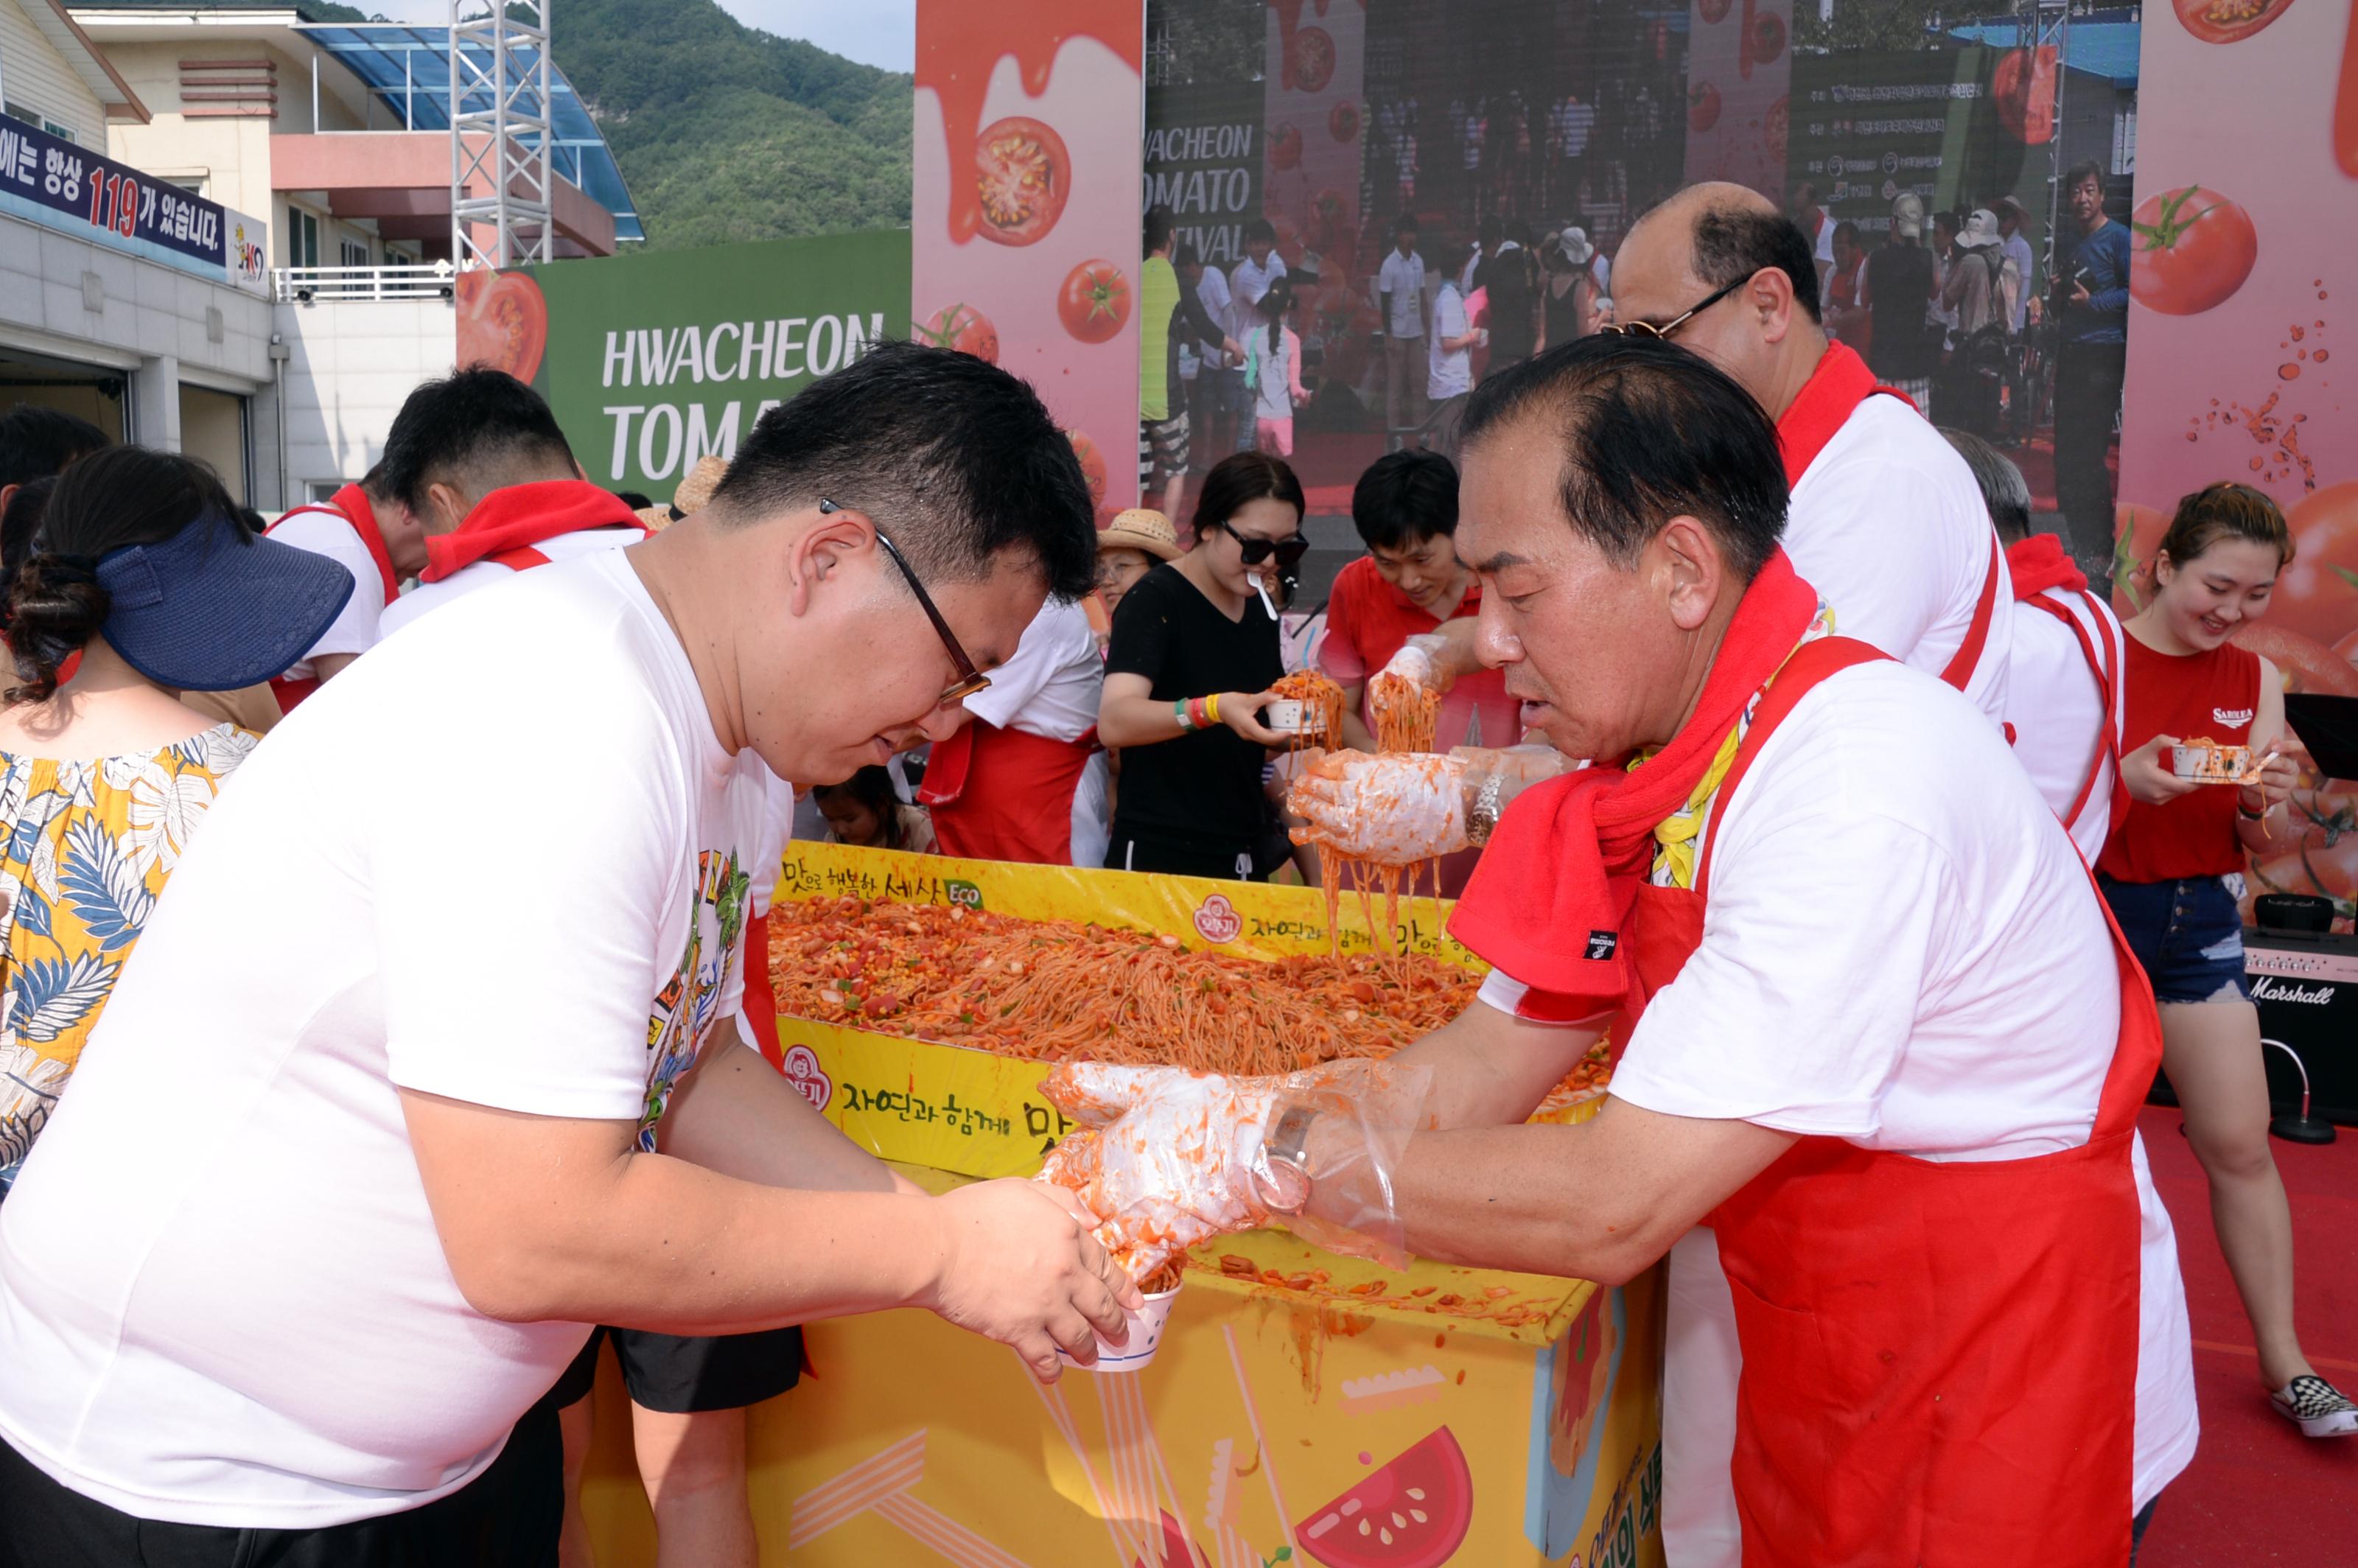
2259, 816
1179, 712
1212, 707
1203, 721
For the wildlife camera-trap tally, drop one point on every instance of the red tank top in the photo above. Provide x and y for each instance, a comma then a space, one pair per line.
2190, 695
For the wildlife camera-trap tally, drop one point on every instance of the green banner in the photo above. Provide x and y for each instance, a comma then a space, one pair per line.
653, 361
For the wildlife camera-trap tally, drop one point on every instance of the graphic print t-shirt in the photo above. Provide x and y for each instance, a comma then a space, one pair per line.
499, 861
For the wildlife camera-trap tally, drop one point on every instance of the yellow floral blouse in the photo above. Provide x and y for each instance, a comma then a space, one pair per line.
90, 844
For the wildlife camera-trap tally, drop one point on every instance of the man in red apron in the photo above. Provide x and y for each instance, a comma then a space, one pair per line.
381, 544
1875, 1021
1004, 786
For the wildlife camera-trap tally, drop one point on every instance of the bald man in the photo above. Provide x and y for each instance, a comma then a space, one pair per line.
1888, 524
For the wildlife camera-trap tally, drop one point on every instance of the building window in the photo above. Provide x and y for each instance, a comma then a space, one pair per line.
62, 133
35, 117
355, 253
302, 238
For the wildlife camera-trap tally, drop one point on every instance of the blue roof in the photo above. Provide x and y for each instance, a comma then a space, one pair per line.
2106, 48
409, 69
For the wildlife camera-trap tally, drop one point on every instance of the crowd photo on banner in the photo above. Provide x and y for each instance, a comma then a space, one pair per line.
1671, 861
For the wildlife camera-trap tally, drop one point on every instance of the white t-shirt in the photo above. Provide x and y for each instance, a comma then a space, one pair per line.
2056, 706
1212, 291
1451, 371
1402, 277
429, 595
1246, 284
1901, 950
498, 860
324, 531
1051, 688
1888, 527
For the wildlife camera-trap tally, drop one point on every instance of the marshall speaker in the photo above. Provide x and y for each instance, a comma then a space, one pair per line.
2307, 990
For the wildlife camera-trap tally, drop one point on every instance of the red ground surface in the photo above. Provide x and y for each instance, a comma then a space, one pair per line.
2257, 1490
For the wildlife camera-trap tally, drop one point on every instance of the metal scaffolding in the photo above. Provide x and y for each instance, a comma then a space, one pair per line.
500, 184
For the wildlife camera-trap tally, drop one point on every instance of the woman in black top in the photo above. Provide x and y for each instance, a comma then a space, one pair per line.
1195, 652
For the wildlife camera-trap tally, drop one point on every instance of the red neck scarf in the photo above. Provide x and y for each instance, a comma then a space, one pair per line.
2039, 563
1551, 895
1834, 392
354, 503
523, 516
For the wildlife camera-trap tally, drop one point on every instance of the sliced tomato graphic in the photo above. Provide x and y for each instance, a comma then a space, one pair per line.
1311, 63
1026, 175
1714, 11
965, 329
2024, 87
502, 321
2228, 21
1412, 1513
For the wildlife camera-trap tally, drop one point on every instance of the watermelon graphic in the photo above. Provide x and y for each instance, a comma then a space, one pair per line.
1412, 1513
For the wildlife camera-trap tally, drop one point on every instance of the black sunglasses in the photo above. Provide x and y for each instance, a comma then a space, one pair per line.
971, 679
1648, 330
1289, 552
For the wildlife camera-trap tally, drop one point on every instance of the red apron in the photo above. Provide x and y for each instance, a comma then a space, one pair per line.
1939, 1358
761, 1004
1005, 794
350, 504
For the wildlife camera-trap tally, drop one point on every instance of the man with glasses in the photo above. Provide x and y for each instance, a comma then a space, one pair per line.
294, 1271
1887, 523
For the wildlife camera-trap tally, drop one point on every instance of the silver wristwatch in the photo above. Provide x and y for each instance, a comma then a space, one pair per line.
1483, 819
1280, 1171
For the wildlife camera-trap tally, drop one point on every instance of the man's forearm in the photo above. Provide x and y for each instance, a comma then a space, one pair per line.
1492, 1069
738, 1117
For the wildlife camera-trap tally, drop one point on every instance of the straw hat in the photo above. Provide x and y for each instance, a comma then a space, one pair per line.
1141, 528
695, 491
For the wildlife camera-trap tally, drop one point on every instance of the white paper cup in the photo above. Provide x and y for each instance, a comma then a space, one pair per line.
1146, 1327
2195, 763
1283, 716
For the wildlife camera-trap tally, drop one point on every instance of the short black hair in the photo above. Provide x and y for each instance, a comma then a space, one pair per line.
1404, 224
1651, 432
1403, 499
1184, 254
2086, 169
2005, 494
38, 442
1160, 222
1733, 241
1240, 479
1260, 229
478, 426
1490, 230
956, 458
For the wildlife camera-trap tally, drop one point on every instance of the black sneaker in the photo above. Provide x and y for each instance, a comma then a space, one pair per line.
2317, 1407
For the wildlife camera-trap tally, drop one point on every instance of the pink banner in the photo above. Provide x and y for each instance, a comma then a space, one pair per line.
1025, 243
1739, 66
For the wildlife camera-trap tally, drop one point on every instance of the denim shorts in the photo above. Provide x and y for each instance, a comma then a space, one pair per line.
2188, 935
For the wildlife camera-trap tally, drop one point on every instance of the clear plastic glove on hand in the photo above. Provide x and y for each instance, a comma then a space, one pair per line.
1394, 808
1167, 1158
1424, 660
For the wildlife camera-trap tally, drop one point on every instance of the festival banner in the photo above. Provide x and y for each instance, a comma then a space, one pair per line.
1024, 203
1204, 161
1738, 75
651, 360
70, 189
2240, 344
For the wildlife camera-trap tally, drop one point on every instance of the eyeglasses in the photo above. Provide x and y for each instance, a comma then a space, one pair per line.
1648, 330
971, 679
1289, 552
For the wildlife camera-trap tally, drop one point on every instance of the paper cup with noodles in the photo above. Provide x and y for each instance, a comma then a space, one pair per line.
1147, 1325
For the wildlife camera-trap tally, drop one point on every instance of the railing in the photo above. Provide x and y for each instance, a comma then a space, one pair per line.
304, 285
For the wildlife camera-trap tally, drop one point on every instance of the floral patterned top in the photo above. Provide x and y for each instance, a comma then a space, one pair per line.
90, 845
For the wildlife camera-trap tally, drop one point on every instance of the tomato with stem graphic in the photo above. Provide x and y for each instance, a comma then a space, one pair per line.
965, 329
1702, 107
1285, 147
1093, 467
1768, 37
2317, 595
2192, 249
2024, 87
1026, 175
1343, 121
1094, 303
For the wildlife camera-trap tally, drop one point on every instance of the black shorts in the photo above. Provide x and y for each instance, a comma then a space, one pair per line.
682, 1374
508, 1517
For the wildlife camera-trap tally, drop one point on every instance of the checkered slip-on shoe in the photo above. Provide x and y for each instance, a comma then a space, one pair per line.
2317, 1407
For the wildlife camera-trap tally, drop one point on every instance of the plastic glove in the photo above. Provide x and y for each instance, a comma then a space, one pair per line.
1424, 660
1394, 808
1167, 1158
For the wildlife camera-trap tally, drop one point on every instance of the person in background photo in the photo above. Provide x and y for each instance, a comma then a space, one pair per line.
1273, 372
1248, 281
1975, 293
141, 566
1399, 326
2013, 221
1167, 315
1817, 226
1903, 349
2173, 872
1450, 374
373, 533
1510, 275
1848, 321
864, 810
1195, 652
2092, 299
1211, 411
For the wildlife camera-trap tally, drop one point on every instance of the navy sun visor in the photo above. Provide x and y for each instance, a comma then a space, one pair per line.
214, 608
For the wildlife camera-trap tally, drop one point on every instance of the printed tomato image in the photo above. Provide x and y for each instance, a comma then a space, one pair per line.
2137, 534
2024, 87
2303, 663
1094, 301
1025, 174
1776, 127
1412, 1513
1768, 37
1093, 467
1702, 107
1284, 148
1343, 121
2346, 107
2317, 595
1715, 11
2193, 248
502, 321
2228, 21
965, 329
1311, 65
2325, 863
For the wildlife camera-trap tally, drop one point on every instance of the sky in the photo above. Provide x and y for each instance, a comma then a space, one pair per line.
874, 32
